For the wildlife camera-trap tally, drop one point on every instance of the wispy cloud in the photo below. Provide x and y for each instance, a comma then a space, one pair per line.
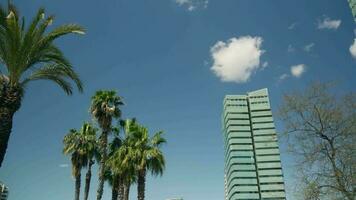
298, 70
353, 49
63, 165
265, 64
237, 59
309, 47
290, 49
192, 5
292, 26
328, 23
283, 76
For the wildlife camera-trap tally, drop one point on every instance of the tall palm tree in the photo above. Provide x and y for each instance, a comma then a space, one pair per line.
122, 167
81, 145
148, 156
28, 53
72, 146
113, 178
121, 163
89, 149
105, 107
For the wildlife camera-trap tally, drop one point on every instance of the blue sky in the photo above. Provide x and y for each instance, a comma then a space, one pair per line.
158, 55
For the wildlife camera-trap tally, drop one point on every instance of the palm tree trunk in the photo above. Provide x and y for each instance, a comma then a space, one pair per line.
10, 102
77, 186
121, 189
114, 188
126, 191
5, 130
104, 143
141, 182
87, 180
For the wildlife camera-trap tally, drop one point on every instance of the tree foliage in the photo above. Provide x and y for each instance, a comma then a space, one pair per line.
81, 145
105, 107
30, 48
28, 53
321, 127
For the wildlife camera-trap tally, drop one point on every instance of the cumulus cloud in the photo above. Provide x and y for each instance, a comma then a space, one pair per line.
192, 5
237, 59
328, 23
353, 49
297, 70
309, 47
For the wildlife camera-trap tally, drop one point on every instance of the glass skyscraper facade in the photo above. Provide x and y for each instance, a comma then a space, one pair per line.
252, 160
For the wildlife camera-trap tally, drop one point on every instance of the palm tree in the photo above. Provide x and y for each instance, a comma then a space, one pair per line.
104, 107
121, 164
28, 53
81, 145
72, 146
123, 174
148, 156
113, 178
89, 149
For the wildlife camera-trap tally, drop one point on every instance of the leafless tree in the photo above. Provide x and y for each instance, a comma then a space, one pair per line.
321, 130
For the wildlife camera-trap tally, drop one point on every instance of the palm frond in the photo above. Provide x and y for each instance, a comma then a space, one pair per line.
156, 163
57, 73
23, 48
69, 141
61, 31
157, 140
12, 34
32, 27
3, 13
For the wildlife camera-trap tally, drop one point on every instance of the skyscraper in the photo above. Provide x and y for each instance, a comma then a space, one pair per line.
252, 160
4, 191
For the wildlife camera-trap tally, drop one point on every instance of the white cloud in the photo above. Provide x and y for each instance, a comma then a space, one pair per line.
265, 64
292, 26
353, 49
191, 8
206, 3
309, 47
327, 23
290, 48
64, 165
283, 76
237, 59
192, 5
297, 70
182, 2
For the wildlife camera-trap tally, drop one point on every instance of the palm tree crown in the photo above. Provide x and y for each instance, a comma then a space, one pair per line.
82, 146
28, 53
148, 150
72, 146
32, 49
147, 155
105, 106
81, 142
